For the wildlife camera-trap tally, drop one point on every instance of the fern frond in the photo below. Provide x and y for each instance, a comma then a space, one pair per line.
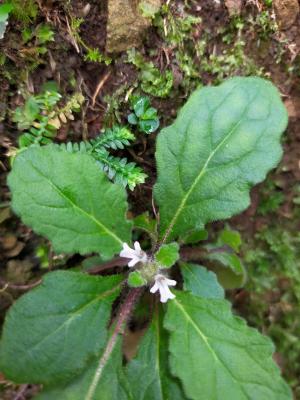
81, 147
115, 138
116, 168
40, 133
119, 170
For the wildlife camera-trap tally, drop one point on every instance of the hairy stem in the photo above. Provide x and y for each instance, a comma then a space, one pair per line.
115, 262
187, 253
124, 313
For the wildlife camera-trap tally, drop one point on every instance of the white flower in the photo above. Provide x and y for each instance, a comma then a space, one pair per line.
137, 254
162, 284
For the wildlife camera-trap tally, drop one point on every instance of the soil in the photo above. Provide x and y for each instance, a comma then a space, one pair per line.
20, 265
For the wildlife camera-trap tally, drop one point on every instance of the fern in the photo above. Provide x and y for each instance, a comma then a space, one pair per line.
119, 170
116, 168
115, 138
42, 134
42, 116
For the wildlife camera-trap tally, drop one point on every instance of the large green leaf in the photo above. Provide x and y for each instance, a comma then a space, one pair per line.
51, 332
224, 140
201, 282
112, 385
217, 356
148, 373
68, 199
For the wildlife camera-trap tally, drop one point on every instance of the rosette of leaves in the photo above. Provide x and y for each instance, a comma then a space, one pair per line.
144, 116
224, 141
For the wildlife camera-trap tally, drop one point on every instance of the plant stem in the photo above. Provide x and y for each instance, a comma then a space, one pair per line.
115, 262
124, 313
187, 253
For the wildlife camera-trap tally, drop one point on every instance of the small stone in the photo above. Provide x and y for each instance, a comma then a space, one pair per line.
16, 250
234, 7
286, 12
9, 241
126, 25
18, 271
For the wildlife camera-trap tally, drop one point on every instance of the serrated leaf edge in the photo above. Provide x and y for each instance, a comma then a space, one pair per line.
241, 321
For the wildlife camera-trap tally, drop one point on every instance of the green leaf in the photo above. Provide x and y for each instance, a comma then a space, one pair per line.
215, 151
68, 199
112, 385
5, 9
229, 269
229, 260
217, 356
195, 236
145, 223
201, 282
132, 119
51, 332
149, 9
148, 373
231, 238
228, 278
31, 109
149, 126
149, 114
45, 34
140, 105
167, 255
135, 279
24, 116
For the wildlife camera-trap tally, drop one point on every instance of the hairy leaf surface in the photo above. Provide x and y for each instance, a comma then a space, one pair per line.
51, 332
217, 356
148, 373
69, 200
224, 140
201, 282
112, 385
167, 255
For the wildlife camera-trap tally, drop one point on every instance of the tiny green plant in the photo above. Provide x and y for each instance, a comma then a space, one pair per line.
92, 54
67, 334
24, 11
41, 116
37, 39
144, 116
153, 81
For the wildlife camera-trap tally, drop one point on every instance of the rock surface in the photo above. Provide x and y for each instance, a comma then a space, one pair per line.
286, 12
126, 24
234, 7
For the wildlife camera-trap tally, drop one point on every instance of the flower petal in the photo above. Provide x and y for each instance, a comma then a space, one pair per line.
137, 247
126, 251
134, 261
154, 288
162, 284
171, 282
163, 297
